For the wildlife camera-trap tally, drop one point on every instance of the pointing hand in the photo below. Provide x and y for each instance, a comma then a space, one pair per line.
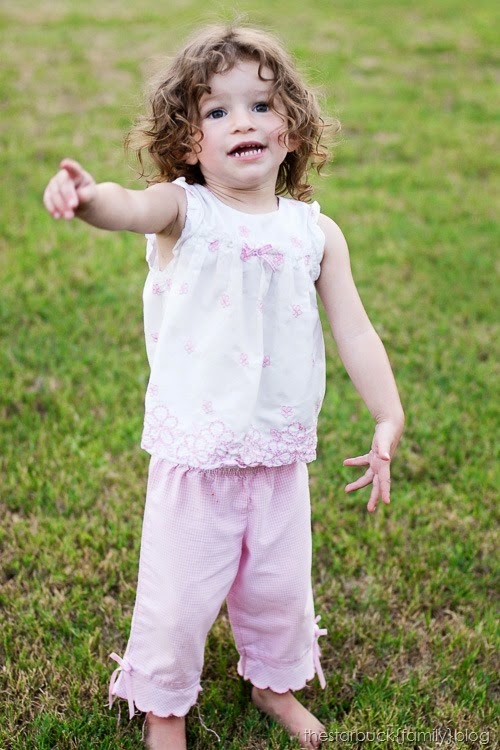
70, 188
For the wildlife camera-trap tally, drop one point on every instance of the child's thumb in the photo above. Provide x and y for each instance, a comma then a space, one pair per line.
383, 442
85, 194
383, 450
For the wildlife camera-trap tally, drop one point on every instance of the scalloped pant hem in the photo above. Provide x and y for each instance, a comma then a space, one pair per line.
147, 695
278, 678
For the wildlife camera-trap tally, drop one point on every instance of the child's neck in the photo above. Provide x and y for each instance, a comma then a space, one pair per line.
260, 200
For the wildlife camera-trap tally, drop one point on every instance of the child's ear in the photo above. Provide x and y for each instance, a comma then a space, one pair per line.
292, 142
191, 158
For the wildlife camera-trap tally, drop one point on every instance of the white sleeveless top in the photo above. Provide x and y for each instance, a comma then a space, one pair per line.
234, 338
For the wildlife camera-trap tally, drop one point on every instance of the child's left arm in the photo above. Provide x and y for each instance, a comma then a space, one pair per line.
365, 360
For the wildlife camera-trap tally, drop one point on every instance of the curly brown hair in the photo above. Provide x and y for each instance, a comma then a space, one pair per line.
170, 131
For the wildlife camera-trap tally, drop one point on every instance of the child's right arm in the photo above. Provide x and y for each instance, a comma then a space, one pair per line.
74, 192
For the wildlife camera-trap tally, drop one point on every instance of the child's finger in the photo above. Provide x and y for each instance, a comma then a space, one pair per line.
76, 173
358, 460
49, 204
385, 489
67, 190
374, 495
361, 482
58, 196
74, 168
384, 478
70, 199
54, 198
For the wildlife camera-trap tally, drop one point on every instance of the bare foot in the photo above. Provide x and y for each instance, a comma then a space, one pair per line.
292, 715
165, 733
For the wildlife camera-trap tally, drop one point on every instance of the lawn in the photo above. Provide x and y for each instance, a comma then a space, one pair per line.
407, 593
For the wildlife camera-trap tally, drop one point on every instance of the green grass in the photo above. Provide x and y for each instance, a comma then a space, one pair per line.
406, 594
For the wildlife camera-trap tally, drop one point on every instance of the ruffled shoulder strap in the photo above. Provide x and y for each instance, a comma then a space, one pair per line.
317, 239
193, 220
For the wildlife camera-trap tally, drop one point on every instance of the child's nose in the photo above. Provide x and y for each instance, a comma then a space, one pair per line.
242, 120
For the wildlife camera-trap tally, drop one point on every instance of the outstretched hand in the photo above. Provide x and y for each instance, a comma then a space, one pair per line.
378, 461
71, 187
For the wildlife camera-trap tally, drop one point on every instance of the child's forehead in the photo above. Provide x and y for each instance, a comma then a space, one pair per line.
246, 74
245, 71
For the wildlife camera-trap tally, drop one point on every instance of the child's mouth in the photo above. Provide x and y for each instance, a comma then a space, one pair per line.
247, 150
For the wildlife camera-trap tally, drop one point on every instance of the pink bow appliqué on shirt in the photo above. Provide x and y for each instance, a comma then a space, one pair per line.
264, 252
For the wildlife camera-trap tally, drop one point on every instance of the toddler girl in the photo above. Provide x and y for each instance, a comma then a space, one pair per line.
237, 359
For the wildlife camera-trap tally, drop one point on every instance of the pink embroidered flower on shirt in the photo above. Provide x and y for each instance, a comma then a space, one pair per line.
225, 301
287, 411
207, 407
210, 443
189, 346
160, 428
292, 443
244, 230
266, 361
297, 310
296, 242
244, 359
184, 289
295, 433
154, 336
168, 283
213, 246
157, 288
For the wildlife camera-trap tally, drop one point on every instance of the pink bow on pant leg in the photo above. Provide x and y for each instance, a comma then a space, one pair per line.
316, 651
126, 668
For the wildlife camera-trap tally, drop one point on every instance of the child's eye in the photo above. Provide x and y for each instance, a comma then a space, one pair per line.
262, 107
216, 114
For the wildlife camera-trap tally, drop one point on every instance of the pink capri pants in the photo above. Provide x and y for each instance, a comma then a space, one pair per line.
241, 534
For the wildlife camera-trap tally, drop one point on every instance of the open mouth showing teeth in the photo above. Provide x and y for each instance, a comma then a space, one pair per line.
250, 150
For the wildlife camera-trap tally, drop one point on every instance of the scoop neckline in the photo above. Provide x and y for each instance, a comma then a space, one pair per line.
244, 213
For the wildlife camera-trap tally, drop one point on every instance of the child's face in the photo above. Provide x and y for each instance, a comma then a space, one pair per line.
241, 145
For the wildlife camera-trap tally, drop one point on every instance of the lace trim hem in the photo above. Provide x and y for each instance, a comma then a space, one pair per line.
215, 444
